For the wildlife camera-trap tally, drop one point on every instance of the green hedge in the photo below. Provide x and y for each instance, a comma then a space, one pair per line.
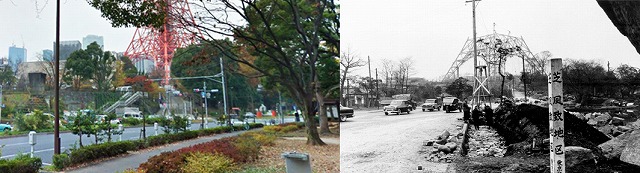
98, 151
21, 164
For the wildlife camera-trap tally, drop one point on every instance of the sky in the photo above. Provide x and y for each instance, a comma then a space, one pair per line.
432, 32
22, 24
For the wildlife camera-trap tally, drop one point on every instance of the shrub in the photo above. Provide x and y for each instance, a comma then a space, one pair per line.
35, 121
248, 147
222, 146
98, 151
169, 162
21, 164
170, 138
272, 129
290, 128
131, 121
206, 162
61, 161
262, 138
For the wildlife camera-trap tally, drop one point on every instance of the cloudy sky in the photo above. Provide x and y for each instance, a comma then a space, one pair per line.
432, 32
22, 24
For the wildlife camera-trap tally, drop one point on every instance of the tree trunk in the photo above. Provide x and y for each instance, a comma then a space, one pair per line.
324, 120
312, 130
80, 135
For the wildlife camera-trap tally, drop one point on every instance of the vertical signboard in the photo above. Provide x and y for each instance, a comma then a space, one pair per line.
556, 116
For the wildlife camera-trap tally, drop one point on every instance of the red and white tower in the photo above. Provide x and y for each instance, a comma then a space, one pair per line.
159, 44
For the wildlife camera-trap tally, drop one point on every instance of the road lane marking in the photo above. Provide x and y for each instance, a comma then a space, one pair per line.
37, 151
23, 143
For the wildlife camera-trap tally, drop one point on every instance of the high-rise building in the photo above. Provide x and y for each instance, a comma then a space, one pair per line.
16, 57
47, 55
92, 38
145, 66
67, 47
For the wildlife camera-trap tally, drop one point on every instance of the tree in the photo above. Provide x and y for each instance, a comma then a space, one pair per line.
629, 79
539, 61
459, 88
582, 79
7, 78
91, 63
348, 61
285, 36
81, 124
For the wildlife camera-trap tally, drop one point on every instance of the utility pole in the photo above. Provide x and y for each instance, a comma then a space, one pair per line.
475, 54
224, 93
377, 91
347, 92
369, 82
206, 106
56, 107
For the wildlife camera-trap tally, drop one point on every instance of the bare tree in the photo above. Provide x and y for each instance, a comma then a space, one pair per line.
348, 61
540, 61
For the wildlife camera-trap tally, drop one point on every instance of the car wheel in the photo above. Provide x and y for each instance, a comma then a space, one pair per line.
343, 118
423, 110
398, 113
6, 129
386, 113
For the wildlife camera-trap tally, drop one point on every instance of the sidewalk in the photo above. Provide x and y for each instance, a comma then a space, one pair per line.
134, 160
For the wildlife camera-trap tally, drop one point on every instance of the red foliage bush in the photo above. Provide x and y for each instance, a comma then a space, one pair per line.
223, 146
169, 162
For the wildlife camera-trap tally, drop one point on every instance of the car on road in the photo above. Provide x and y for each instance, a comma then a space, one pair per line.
345, 112
450, 104
249, 115
5, 127
398, 106
430, 104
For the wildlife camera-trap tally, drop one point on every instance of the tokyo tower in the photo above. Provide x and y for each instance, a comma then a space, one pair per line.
160, 44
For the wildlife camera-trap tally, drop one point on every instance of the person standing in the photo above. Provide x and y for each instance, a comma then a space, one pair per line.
467, 112
475, 116
488, 114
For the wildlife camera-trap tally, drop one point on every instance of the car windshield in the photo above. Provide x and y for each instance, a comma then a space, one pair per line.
449, 100
430, 101
396, 102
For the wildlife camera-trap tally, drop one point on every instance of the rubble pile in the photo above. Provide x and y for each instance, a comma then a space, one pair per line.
486, 142
443, 148
525, 124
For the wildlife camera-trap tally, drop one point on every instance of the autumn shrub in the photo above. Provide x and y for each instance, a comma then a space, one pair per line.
265, 139
272, 129
198, 162
248, 147
290, 128
131, 121
167, 162
222, 146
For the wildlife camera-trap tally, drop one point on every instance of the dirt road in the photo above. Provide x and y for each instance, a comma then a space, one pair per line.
373, 142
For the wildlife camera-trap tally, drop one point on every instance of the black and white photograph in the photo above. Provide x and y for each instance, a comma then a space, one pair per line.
490, 86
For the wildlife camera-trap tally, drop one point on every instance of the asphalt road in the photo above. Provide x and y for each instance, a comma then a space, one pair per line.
44, 141
373, 142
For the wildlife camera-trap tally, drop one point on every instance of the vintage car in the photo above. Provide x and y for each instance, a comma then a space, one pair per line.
430, 104
398, 106
345, 112
450, 104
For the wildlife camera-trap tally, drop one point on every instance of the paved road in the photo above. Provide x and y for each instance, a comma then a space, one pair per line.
373, 142
44, 145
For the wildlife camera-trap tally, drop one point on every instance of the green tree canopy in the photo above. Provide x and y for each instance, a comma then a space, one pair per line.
459, 88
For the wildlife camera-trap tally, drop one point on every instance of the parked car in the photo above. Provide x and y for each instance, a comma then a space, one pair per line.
249, 115
398, 106
450, 104
5, 127
430, 104
345, 112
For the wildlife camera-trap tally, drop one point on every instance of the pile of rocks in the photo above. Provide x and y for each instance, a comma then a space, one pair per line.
486, 142
443, 148
612, 126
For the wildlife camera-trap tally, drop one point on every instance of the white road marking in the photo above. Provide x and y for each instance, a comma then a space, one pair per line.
23, 143
37, 151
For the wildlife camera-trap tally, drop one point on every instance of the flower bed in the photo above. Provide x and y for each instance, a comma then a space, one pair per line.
94, 152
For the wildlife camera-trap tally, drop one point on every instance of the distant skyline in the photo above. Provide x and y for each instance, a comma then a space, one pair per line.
433, 32
21, 24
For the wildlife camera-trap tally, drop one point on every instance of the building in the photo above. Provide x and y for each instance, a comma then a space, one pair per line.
16, 57
67, 47
92, 38
47, 55
145, 66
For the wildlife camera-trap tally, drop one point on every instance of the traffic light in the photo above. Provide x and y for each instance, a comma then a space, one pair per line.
196, 90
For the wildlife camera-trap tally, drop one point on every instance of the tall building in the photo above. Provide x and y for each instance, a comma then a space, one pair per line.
47, 55
67, 47
92, 38
16, 57
145, 66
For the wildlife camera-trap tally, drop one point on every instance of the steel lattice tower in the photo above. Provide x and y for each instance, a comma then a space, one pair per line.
160, 44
